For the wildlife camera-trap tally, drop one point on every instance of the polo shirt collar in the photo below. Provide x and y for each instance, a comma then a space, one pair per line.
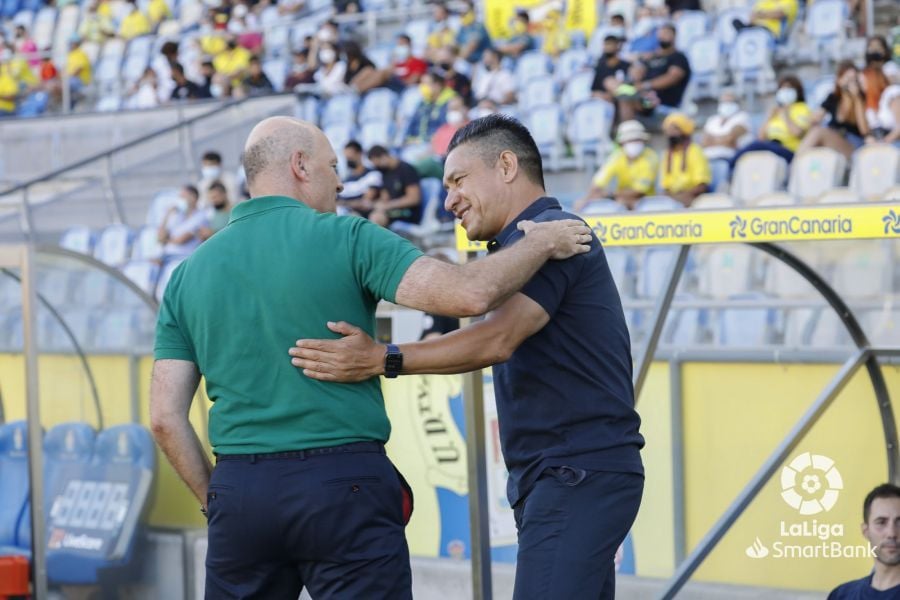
259, 205
533, 210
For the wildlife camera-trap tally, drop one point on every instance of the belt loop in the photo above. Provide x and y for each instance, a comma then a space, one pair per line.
252, 459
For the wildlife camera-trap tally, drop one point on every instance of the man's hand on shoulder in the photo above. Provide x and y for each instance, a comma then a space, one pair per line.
564, 238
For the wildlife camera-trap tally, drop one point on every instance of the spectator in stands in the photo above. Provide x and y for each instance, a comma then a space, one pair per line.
684, 170
401, 195
49, 76
441, 33
180, 229
786, 124
211, 171
493, 82
9, 86
887, 119
242, 20
362, 186
232, 66
660, 81
78, 69
775, 15
457, 117
723, 133
300, 73
633, 166
482, 109
207, 73
611, 70
212, 41
330, 71
677, 6
219, 210
472, 38
406, 69
25, 46
361, 73
184, 89
256, 83
876, 76
840, 123
291, 7
144, 93
881, 528
157, 12
643, 41
446, 66
556, 38
134, 23
432, 110
96, 27
520, 40
345, 7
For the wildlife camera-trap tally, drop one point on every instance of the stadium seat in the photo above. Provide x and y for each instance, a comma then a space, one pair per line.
775, 199
545, 124
141, 272
23, 17
882, 326
432, 201
654, 269
109, 65
92, 49
621, 266
841, 195
531, 65
159, 206
751, 61
111, 102
54, 285
190, 13
712, 202
409, 102
376, 132
44, 24
756, 174
862, 271
815, 172
9, 8
724, 30
724, 271
685, 326
588, 131
540, 91
10, 293
595, 46
113, 331
418, 31
705, 58
781, 281
577, 90
875, 170
626, 8
745, 327
164, 275
339, 134
826, 25
340, 109
113, 245
378, 105
91, 288
66, 25
603, 206
381, 55
892, 194
570, 62
15, 489
276, 70
78, 239
658, 204
691, 25
818, 90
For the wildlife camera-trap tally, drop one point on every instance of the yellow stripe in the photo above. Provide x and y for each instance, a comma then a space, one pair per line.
787, 224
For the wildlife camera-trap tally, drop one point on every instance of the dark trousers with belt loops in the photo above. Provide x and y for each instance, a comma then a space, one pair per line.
570, 526
329, 519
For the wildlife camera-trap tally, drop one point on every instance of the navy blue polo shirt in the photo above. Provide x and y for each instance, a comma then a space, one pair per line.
565, 396
862, 589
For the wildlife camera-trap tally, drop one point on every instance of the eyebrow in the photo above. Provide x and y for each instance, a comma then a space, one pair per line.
448, 177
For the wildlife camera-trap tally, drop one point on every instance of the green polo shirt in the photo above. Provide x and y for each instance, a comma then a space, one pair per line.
278, 272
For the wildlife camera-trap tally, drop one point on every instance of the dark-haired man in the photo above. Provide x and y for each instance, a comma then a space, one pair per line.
362, 185
881, 527
562, 373
400, 198
660, 80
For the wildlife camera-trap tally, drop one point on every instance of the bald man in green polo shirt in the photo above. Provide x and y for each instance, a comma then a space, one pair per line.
302, 493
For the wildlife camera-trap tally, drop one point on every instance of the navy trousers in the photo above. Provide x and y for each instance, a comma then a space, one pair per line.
329, 519
570, 526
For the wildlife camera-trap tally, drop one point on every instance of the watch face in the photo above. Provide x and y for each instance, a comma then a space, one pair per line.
393, 362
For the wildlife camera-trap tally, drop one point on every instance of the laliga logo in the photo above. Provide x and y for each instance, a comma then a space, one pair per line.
600, 231
891, 222
811, 483
738, 227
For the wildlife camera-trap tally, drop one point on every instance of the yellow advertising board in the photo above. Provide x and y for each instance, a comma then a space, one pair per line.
787, 224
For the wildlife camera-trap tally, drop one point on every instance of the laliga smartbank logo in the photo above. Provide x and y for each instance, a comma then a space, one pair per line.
811, 485
790, 225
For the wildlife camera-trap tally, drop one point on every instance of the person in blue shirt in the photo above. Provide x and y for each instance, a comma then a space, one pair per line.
881, 527
520, 40
562, 369
472, 37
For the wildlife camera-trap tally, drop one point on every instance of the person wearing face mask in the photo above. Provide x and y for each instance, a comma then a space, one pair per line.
876, 76
684, 170
519, 40
232, 66
775, 15
217, 213
211, 171
786, 124
25, 46
723, 133
472, 37
362, 185
633, 167
493, 82
845, 113
157, 12
9, 87
361, 73
447, 67
329, 71
660, 80
441, 33
611, 70
432, 110
179, 232
400, 197
135, 23
78, 69
300, 73
457, 117
556, 39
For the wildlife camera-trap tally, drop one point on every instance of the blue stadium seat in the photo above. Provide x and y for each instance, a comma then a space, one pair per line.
818, 90
55, 285
705, 58
378, 105
686, 327
159, 206
44, 24
339, 134
377, 132
9, 9
109, 65
33, 5
826, 24
141, 272
91, 288
815, 172
545, 124
690, 26
577, 90
418, 31
113, 245
540, 91
751, 61
15, 489
531, 65
724, 30
409, 102
432, 212
570, 62
276, 70
588, 131
78, 239
340, 109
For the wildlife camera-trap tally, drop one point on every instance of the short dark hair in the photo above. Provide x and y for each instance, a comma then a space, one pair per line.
403, 36
177, 68
254, 60
523, 14
670, 27
885, 490
192, 190
168, 48
794, 82
354, 145
218, 186
378, 151
212, 156
494, 134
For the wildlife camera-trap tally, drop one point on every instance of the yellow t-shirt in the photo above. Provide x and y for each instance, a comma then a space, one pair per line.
9, 87
105, 10
21, 72
777, 128
682, 171
78, 62
157, 11
556, 41
134, 25
788, 7
638, 175
441, 38
231, 62
213, 45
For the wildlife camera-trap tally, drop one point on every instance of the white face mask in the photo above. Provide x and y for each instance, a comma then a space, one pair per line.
633, 149
786, 96
454, 117
401, 53
210, 172
327, 56
181, 205
216, 90
728, 109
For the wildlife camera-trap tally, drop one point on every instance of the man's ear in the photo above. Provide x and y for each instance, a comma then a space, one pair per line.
298, 165
509, 165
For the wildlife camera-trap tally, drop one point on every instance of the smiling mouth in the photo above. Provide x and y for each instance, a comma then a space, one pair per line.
462, 213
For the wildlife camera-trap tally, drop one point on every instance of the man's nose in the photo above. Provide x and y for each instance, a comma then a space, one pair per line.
450, 200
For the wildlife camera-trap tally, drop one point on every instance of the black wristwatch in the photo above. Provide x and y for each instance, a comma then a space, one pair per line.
393, 361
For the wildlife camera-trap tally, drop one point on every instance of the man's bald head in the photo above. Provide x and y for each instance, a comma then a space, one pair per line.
272, 142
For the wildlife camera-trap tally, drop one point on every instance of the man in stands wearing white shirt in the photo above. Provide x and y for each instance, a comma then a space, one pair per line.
493, 82
211, 170
723, 133
180, 230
